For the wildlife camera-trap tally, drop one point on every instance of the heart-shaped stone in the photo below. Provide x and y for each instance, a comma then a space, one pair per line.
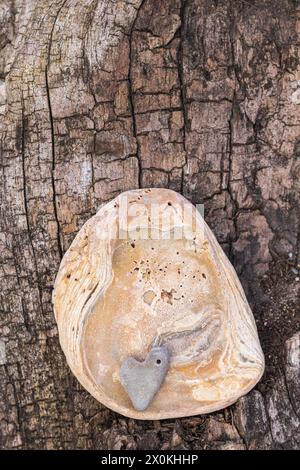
142, 380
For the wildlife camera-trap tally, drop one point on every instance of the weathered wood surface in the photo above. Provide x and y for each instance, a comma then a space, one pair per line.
97, 97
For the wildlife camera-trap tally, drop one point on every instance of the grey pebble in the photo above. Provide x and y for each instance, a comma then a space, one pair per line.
142, 380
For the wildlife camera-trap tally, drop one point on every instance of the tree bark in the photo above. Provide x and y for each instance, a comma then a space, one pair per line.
98, 97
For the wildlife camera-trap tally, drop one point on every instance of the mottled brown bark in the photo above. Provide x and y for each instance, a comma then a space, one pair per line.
97, 97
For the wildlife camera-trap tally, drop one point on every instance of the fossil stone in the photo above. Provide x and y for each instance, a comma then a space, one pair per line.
142, 380
146, 272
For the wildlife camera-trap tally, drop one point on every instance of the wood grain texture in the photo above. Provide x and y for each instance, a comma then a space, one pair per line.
98, 97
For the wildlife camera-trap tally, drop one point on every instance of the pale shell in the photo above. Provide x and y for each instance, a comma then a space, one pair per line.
115, 298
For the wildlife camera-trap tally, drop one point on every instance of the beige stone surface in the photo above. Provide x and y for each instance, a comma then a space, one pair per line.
118, 297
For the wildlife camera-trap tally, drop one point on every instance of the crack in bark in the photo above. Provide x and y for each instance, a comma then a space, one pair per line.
26, 318
268, 416
180, 59
289, 395
242, 437
230, 137
59, 244
55, 210
18, 407
131, 96
233, 202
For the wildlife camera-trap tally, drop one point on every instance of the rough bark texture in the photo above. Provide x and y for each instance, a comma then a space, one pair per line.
97, 97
